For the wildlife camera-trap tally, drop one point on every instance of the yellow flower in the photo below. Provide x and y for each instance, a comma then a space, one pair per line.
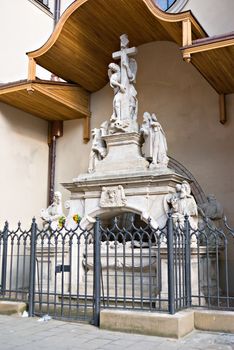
77, 218
61, 221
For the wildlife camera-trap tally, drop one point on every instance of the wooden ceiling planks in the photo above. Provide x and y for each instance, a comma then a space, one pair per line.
89, 31
81, 47
47, 100
214, 58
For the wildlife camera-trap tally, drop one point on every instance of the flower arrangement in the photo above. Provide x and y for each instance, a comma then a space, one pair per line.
76, 218
61, 221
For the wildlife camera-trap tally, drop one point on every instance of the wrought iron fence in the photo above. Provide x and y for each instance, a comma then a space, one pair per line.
73, 273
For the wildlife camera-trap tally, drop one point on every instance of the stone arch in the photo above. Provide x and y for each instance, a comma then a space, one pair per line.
112, 212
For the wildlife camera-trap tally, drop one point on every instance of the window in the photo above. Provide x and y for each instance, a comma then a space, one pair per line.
164, 4
44, 2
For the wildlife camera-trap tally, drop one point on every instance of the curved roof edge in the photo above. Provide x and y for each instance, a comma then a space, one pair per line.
152, 7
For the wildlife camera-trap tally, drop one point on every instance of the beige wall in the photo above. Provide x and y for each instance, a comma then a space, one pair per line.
185, 104
188, 109
215, 16
24, 164
24, 149
23, 27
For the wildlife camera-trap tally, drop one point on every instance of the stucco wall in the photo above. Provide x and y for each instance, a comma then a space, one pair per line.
23, 27
215, 16
187, 108
24, 149
185, 104
24, 164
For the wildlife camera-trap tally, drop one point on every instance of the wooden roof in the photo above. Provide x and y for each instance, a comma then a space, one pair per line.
214, 58
81, 46
47, 99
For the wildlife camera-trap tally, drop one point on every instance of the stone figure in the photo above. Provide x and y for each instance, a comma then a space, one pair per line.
122, 78
119, 89
104, 128
155, 143
98, 150
212, 209
212, 212
113, 196
183, 203
53, 213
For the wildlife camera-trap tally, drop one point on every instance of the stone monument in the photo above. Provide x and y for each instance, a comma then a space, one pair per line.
128, 165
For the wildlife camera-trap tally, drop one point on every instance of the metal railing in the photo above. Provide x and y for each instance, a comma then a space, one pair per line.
73, 273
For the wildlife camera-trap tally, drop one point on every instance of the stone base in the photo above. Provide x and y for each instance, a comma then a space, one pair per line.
157, 324
145, 194
165, 325
123, 153
11, 307
116, 280
214, 321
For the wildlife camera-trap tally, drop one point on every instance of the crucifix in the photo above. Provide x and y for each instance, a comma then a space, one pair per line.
128, 68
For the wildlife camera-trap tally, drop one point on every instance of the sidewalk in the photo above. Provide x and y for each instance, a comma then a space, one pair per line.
29, 334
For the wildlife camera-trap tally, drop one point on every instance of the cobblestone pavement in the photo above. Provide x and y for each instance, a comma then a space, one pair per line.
29, 334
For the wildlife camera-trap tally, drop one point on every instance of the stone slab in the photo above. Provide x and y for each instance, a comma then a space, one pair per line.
157, 324
11, 308
213, 320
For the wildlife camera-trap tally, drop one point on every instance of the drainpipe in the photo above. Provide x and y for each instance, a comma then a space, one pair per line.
57, 9
54, 132
55, 128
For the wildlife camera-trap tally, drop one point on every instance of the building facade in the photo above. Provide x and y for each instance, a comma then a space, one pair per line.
186, 105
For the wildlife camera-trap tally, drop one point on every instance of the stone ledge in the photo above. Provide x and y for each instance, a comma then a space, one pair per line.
11, 308
157, 324
213, 320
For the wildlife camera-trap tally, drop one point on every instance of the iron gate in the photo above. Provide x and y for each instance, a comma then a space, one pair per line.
73, 273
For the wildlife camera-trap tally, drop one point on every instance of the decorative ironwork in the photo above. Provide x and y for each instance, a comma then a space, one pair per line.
74, 273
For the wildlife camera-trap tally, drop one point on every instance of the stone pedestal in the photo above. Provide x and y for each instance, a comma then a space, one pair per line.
203, 274
48, 261
142, 193
122, 182
123, 154
126, 273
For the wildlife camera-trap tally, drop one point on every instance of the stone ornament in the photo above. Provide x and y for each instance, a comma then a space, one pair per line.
53, 213
155, 143
211, 209
98, 150
183, 203
113, 196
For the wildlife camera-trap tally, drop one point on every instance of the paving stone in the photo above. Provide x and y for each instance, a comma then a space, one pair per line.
28, 334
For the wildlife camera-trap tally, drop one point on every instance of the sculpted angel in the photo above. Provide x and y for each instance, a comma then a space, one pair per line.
155, 145
98, 150
119, 89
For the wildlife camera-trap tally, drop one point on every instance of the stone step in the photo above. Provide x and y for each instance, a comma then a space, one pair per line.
11, 307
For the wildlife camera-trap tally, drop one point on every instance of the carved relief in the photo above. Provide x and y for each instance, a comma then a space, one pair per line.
113, 196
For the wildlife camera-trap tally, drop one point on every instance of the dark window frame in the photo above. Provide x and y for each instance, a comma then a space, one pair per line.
43, 3
168, 5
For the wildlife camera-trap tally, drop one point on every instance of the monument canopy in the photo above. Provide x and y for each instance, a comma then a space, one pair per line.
88, 33
81, 46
